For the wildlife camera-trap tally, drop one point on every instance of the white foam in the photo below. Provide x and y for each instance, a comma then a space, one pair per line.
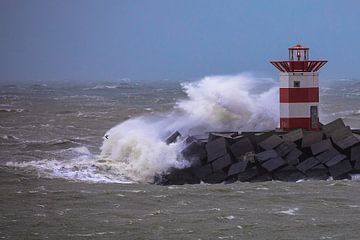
290, 211
218, 103
135, 150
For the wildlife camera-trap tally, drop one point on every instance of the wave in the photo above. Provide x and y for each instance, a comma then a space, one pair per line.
135, 149
218, 103
82, 166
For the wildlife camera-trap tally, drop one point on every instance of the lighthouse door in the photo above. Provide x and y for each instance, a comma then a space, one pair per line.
314, 117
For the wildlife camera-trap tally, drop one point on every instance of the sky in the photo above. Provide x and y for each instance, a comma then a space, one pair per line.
107, 40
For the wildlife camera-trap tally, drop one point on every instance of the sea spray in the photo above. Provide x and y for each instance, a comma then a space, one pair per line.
218, 103
135, 149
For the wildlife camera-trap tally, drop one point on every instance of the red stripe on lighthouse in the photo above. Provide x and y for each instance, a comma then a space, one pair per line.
292, 123
298, 95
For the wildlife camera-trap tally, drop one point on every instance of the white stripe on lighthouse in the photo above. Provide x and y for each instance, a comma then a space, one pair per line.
307, 80
296, 110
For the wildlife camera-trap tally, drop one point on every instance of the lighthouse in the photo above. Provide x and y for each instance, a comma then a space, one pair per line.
299, 90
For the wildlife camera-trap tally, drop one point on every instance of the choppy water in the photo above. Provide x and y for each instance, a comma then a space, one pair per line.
54, 182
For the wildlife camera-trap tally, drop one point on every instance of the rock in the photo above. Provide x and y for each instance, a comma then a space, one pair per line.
289, 174
327, 155
321, 146
293, 136
293, 157
335, 160
307, 164
271, 142
202, 171
194, 153
311, 138
216, 177
179, 177
355, 156
216, 149
266, 155
221, 162
284, 148
319, 172
241, 147
262, 178
226, 135
248, 174
329, 128
238, 167
339, 169
344, 138
172, 138
273, 164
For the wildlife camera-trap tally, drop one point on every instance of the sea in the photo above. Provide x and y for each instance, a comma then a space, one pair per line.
77, 161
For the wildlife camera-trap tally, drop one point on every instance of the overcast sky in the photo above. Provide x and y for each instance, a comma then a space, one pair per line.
175, 40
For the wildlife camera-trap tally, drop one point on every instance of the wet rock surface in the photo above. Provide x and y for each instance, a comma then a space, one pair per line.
332, 152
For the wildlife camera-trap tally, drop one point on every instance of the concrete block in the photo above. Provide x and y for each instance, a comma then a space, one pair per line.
293, 136
173, 137
262, 178
319, 172
266, 155
339, 169
179, 177
335, 160
238, 167
203, 171
289, 174
216, 149
307, 164
221, 162
293, 157
327, 155
226, 135
273, 164
341, 133
321, 146
332, 126
311, 138
284, 148
347, 142
355, 156
216, 177
355, 153
194, 153
248, 174
241, 147
271, 142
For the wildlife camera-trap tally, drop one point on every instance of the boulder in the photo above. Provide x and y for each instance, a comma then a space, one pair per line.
216, 177
309, 163
311, 138
293, 136
284, 148
238, 167
221, 162
271, 142
321, 146
341, 168
242, 146
265, 156
216, 149
172, 138
273, 164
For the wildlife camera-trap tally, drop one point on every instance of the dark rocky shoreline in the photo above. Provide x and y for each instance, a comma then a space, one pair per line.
333, 152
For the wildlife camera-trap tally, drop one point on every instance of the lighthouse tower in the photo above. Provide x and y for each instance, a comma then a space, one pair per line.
299, 90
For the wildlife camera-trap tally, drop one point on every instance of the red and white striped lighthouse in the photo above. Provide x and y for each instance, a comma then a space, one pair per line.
299, 90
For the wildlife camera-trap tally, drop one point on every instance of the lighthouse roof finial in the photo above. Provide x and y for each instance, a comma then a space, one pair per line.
298, 47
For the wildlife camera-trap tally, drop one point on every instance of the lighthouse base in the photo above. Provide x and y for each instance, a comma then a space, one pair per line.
304, 123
